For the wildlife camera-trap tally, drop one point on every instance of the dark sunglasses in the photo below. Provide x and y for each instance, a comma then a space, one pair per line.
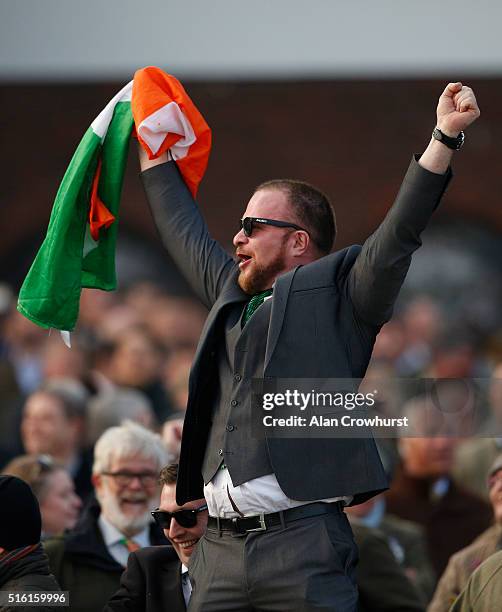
247, 223
184, 518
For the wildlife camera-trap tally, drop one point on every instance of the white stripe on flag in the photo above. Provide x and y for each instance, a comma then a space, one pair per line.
168, 120
101, 123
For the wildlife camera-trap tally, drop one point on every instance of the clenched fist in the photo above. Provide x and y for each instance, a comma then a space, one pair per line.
457, 109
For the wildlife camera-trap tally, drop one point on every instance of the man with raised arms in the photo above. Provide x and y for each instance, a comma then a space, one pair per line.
277, 536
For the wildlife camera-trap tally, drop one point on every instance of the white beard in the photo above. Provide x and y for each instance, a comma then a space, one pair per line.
110, 508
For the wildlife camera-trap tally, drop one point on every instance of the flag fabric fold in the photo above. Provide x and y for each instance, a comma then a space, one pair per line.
167, 119
79, 248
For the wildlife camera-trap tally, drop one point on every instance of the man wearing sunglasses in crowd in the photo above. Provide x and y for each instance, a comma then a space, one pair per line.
156, 577
287, 307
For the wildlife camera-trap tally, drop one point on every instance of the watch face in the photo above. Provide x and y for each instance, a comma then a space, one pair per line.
451, 142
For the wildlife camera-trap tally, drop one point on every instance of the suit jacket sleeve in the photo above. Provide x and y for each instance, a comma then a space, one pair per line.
380, 268
202, 260
131, 595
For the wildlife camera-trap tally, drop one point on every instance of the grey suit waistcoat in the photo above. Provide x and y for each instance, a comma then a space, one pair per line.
235, 435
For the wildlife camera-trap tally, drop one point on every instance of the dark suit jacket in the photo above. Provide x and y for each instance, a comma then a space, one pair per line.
324, 320
150, 583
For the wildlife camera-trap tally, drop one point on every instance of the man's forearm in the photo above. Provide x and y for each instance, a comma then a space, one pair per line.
203, 262
380, 269
436, 158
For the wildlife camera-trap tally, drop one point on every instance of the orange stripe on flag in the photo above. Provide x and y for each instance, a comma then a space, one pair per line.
152, 90
99, 215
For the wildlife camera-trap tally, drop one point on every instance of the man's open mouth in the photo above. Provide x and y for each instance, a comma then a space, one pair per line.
244, 259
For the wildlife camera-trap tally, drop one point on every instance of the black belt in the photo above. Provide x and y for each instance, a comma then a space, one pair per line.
261, 522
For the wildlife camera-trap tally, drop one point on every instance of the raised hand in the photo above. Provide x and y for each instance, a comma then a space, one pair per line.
457, 109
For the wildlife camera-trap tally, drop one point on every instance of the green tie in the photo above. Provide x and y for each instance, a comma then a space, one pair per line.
131, 545
254, 302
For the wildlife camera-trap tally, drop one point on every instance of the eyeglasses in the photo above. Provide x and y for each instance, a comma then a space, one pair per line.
123, 479
247, 223
184, 518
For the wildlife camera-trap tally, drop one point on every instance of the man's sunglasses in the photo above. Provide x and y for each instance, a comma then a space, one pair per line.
247, 224
184, 518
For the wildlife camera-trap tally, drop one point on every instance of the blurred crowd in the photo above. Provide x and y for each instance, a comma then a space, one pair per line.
130, 358
62, 422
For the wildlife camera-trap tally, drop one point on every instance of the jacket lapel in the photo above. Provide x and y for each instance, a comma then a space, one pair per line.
231, 293
279, 302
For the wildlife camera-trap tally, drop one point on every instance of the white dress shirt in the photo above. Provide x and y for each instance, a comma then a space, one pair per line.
253, 497
113, 539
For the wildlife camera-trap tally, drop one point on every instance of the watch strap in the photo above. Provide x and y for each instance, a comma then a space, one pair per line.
450, 142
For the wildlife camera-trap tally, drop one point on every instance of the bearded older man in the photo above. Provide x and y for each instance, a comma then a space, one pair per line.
89, 561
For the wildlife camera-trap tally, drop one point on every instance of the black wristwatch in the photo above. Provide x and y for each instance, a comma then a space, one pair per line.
451, 143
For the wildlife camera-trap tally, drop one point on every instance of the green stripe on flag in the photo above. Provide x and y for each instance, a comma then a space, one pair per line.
50, 294
98, 267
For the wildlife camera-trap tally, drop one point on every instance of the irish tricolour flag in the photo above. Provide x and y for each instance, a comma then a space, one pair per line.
79, 249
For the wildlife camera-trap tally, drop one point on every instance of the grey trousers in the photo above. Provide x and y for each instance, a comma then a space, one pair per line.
308, 564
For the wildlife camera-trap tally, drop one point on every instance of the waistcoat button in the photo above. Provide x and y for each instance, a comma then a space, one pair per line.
230, 427
234, 403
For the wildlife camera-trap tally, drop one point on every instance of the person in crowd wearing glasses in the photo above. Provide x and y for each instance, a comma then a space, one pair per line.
287, 307
53, 487
156, 578
89, 561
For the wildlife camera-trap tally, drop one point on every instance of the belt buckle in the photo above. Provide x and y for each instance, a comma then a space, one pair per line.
262, 527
